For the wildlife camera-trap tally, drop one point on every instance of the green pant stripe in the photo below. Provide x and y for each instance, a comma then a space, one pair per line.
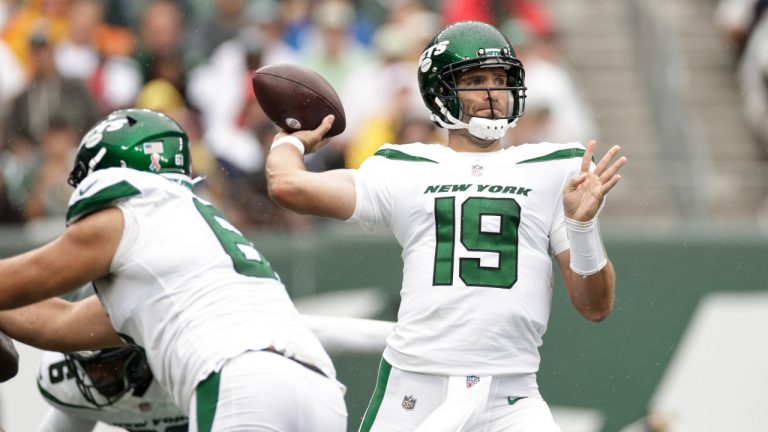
207, 398
378, 396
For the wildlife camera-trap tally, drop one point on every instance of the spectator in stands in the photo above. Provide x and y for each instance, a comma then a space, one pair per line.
18, 163
12, 79
162, 52
98, 54
330, 47
32, 17
555, 109
49, 193
533, 12
228, 17
48, 96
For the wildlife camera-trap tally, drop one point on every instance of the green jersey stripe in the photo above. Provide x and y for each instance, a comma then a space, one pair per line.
398, 155
560, 154
378, 396
53, 399
207, 399
101, 199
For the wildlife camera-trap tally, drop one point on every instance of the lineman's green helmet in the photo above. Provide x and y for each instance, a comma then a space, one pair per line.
457, 48
140, 139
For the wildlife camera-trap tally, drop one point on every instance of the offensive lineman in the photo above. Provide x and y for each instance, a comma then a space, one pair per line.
176, 279
477, 224
115, 385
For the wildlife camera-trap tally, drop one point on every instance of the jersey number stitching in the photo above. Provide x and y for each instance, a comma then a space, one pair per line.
501, 217
246, 259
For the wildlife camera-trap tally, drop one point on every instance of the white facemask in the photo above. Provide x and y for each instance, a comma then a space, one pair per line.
479, 127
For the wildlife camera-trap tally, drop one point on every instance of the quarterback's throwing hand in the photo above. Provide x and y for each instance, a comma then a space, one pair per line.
312, 139
584, 194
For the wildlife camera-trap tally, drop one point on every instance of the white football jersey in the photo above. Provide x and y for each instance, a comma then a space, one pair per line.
153, 411
476, 230
186, 285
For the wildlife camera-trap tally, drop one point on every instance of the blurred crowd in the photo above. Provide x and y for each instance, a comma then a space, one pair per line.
66, 63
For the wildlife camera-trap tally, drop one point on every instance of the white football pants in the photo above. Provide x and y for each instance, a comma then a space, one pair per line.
264, 391
413, 402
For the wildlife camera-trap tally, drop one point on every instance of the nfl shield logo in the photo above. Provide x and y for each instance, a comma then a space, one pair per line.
472, 380
409, 402
477, 170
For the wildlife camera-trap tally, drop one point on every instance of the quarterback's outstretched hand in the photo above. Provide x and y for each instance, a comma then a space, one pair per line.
584, 194
312, 139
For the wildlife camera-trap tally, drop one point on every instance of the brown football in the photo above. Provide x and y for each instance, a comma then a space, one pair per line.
297, 98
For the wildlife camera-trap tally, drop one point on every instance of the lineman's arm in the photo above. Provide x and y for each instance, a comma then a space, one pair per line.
81, 254
350, 335
9, 358
58, 325
329, 193
591, 295
59, 421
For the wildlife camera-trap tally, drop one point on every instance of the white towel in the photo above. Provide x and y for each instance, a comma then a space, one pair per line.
462, 403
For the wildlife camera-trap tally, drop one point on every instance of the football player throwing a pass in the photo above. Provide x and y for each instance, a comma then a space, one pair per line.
479, 225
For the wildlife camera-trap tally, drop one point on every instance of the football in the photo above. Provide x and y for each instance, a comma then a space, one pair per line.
297, 98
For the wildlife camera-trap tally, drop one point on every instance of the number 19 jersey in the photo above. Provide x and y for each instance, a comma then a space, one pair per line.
476, 231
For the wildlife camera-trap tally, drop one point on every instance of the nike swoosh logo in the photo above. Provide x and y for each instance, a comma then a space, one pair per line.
86, 189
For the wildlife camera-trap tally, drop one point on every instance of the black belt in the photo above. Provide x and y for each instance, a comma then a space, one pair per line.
311, 367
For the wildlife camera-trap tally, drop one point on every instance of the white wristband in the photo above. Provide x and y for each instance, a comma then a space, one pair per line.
288, 139
587, 251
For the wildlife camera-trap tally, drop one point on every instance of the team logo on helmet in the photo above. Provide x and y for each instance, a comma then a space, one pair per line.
425, 61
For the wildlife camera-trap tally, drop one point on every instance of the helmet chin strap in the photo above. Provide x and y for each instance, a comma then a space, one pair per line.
479, 127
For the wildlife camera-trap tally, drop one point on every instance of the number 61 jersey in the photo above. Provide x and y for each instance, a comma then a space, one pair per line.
186, 285
476, 231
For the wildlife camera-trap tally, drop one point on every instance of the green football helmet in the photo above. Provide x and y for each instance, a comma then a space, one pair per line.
457, 48
140, 139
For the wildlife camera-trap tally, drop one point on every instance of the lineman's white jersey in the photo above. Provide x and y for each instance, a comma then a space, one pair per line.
152, 412
186, 285
476, 231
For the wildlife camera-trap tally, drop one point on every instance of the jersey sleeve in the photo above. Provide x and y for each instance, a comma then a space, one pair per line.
101, 189
373, 203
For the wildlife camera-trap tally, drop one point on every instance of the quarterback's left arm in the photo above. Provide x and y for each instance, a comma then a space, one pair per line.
591, 295
587, 272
